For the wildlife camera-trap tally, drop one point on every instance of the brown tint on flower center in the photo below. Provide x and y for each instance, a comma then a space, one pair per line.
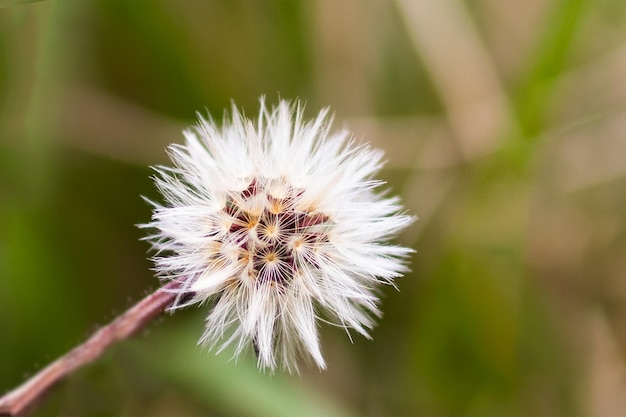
275, 238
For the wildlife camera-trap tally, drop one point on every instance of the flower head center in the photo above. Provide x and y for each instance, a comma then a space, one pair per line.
276, 237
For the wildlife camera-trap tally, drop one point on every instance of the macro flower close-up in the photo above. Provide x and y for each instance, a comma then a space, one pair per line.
275, 224
312, 208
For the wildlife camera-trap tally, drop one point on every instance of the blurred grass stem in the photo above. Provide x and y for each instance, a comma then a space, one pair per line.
19, 400
444, 35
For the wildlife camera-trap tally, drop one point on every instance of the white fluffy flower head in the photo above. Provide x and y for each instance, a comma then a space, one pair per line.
275, 224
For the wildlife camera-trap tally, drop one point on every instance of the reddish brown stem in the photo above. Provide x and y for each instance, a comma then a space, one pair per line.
17, 401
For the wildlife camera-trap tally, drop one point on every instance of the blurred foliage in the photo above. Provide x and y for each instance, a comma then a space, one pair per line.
503, 124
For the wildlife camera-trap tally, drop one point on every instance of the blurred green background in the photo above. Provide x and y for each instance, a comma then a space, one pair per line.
504, 126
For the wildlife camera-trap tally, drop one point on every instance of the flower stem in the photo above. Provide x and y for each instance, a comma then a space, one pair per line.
20, 399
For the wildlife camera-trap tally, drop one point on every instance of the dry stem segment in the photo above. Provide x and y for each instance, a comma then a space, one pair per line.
17, 401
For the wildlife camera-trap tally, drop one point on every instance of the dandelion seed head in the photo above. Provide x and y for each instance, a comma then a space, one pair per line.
275, 223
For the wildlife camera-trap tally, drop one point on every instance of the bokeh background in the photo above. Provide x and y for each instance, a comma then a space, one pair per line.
504, 126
